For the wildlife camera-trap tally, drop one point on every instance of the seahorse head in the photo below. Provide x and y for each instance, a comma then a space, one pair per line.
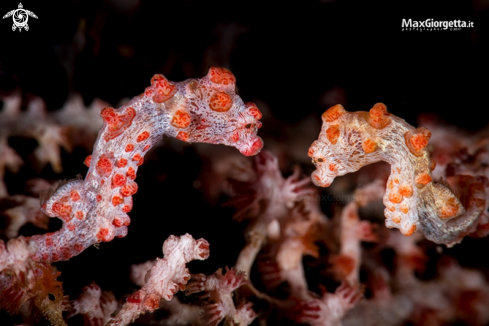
346, 142
209, 110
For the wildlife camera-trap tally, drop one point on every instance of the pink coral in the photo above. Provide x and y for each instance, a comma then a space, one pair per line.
26, 286
347, 263
35, 123
95, 305
283, 214
330, 308
218, 289
165, 278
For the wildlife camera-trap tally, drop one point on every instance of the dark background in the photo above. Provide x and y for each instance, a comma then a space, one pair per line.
290, 56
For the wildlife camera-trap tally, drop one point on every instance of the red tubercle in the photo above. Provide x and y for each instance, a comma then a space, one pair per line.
79, 215
131, 173
146, 148
127, 208
102, 181
181, 119
135, 297
406, 190
45, 256
103, 235
126, 191
127, 221
395, 197
138, 158
62, 210
57, 207
74, 195
99, 198
122, 162
88, 160
369, 146
117, 123
49, 241
104, 166
333, 113
70, 226
117, 222
417, 140
129, 148
140, 162
164, 90
378, 117
78, 247
182, 135
220, 102
56, 256
148, 91
254, 111
129, 189
118, 180
422, 179
221, 76
109, 115
134, 187
66, 253
116, 200
142, 136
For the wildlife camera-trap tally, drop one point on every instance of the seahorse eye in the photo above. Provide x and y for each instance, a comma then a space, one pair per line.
248, 126
320, 160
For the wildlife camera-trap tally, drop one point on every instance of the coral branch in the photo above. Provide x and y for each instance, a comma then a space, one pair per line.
35, 123
414, 202
330, 309
353, 230
94, 304
285, 216
26, 286
219, 288
196, 110
165, 278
